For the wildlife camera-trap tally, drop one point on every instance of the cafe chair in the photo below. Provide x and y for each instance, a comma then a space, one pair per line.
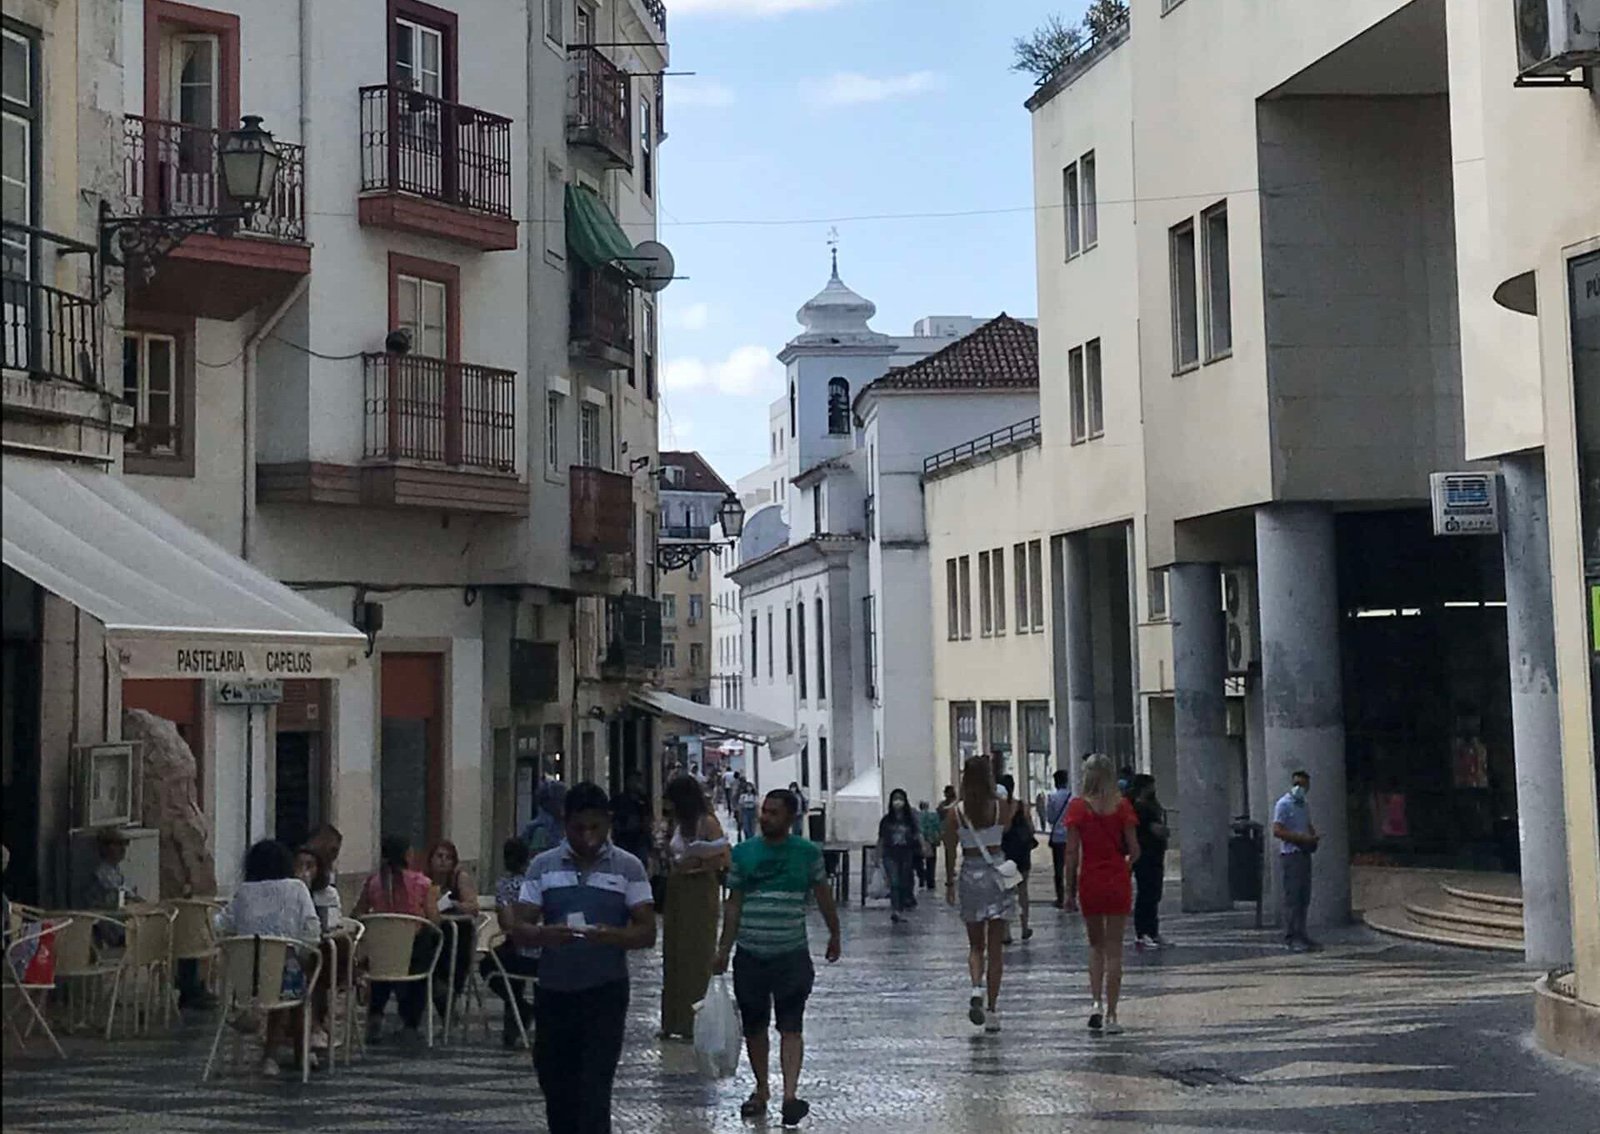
490, 935
146, 971
194, 935
30, 971
252, 983
386, 947
83, 968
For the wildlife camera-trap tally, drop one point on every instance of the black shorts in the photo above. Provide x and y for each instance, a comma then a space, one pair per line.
764, 986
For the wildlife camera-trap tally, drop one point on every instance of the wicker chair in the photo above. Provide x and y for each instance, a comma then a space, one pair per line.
386, 947
252, 981
27, 940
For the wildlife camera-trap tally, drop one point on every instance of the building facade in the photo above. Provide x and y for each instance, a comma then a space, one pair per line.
692, 495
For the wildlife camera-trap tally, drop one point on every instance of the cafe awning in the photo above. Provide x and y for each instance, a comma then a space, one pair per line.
779, 738
593, 233
173, 603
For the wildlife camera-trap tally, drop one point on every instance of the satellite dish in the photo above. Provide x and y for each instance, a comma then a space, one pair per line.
652, 263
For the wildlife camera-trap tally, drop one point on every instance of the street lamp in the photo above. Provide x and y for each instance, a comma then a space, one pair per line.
731, 514
682, 553
248, 163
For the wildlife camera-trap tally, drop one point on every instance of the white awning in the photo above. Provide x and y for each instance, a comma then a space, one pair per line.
173, 603
728, 722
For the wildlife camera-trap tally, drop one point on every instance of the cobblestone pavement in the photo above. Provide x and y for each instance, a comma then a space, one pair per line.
1225, 1033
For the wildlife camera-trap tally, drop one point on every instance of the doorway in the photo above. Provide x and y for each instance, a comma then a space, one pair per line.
411, 759
20, 671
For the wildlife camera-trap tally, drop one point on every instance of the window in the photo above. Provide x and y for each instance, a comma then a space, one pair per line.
419, 58
1072, 203
1185, 331
420, 310
647, 141
694, 568
822, 665
952, 599
669, 655
589, 435
555, 19
997, 730
150, 386
20, 142
965, 565
800, 642
822, 760
647, 344
769, 643
582, 23
816, 509
697, 608
669, 608
869, 620
805, 765
555, 211
997, 560
788, 641
1158, 595
1036, 585
963, 730
985, 597
1019, 584
697, 656
1091, 211
793, 409
552, 430
1216, 287
838, 407
1094, 394
755, 640
1076, 396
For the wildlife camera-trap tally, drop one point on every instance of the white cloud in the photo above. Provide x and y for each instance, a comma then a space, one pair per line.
747, 370
679, 431
692, 91
849, 88
757, 9
689, 317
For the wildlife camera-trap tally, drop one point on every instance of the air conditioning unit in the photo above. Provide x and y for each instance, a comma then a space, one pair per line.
1555, 38
1239, 613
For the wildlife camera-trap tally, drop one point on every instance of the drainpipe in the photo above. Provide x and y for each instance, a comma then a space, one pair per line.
252, 346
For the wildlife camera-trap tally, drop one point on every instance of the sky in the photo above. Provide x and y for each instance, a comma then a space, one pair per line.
822, 114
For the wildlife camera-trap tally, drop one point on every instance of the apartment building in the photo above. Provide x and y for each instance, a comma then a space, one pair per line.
692, 497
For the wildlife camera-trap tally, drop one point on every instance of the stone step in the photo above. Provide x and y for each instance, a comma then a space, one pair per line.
1482, 900
1445, 914
1395, 921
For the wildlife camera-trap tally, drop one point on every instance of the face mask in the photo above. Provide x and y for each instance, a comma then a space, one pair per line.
1299, 793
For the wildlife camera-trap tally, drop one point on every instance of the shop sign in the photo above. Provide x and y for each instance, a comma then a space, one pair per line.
174, 656
260, 691
1465, 503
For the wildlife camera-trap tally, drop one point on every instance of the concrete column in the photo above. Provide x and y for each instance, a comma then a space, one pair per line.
1079, 654
1535, 714
1199, 669
1141, 749
1302, 688
1259, 788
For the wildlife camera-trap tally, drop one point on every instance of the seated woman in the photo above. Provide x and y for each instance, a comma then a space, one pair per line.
394, 888
312, 868
515, 959
272, 902
458, 895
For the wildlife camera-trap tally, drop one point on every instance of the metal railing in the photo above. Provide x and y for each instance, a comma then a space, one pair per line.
415, 143
685, 531
174, 169
599, 109
657, 11
601, 502
601, 307
47, 331
450, 413
1011, 434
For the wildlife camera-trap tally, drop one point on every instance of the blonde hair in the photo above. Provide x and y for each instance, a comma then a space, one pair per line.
1100, 782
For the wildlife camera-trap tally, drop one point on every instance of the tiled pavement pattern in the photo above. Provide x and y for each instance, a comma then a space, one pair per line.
1225, 1033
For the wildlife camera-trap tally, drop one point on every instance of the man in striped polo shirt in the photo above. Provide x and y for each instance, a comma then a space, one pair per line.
584, 904
765, 914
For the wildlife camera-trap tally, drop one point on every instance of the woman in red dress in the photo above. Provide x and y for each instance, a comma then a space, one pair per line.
1102, 844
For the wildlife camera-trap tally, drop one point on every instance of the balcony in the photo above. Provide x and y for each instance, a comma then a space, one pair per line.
599, 108
172, 169
435, 168
685, 531
601, 315
47, 331
602, 524
440, 435
633, 636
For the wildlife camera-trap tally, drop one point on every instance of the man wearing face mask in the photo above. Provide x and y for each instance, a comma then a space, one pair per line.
1297, 841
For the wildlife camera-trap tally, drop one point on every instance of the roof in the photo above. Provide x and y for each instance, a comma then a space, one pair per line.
1003, 354
697, 475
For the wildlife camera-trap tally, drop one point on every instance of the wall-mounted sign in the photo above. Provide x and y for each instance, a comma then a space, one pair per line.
251, 692
1465, 503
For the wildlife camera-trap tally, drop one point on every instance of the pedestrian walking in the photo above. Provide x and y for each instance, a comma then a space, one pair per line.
1149, 872
928, 821
1055, 817
977, 823
804, 805
1297, 842
631, 821
765, 916
584, 905
899, 846
1101, 843
544, 830
1018, 844
944, 809
749, 803
697, 857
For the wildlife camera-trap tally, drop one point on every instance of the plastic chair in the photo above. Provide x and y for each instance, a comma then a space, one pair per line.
147, 966
194, 935
17, 953
491, 935
386, 947
342, 943
80, 961
252, 981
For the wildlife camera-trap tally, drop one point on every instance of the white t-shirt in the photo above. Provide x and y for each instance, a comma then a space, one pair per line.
281, 907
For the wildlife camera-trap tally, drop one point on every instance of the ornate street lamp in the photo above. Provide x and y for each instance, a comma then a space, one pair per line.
732, 516
681, 553
248, 162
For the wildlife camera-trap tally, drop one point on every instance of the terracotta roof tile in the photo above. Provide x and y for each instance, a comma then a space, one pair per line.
698, 476
1001, 354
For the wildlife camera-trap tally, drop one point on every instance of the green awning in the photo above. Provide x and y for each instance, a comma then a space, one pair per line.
593, 233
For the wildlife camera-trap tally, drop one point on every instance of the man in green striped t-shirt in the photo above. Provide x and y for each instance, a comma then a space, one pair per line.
772, 973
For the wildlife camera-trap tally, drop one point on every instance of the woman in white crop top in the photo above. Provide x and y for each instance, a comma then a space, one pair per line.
975, 824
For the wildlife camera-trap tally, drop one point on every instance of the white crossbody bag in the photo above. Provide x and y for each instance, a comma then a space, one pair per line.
1009, 873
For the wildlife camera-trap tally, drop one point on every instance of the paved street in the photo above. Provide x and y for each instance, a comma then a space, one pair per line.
1225, 1033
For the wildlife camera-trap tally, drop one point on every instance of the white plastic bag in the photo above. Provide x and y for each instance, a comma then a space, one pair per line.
878, 884
718, 1037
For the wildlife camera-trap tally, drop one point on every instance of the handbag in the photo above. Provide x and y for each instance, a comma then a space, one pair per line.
1010, 874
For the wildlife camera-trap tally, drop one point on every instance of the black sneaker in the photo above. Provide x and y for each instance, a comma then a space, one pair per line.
794, 1111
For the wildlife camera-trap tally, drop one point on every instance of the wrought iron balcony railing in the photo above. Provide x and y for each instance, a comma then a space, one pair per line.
599, 109
173, 169
45, 330
454, 414
415, 143
601, 307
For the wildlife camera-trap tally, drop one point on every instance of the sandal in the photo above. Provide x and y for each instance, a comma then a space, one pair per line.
753, 1107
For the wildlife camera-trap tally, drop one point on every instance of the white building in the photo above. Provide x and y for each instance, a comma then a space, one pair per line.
833, 587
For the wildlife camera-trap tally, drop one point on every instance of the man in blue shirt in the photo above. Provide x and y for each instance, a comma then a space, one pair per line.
584, 904
1297, 841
